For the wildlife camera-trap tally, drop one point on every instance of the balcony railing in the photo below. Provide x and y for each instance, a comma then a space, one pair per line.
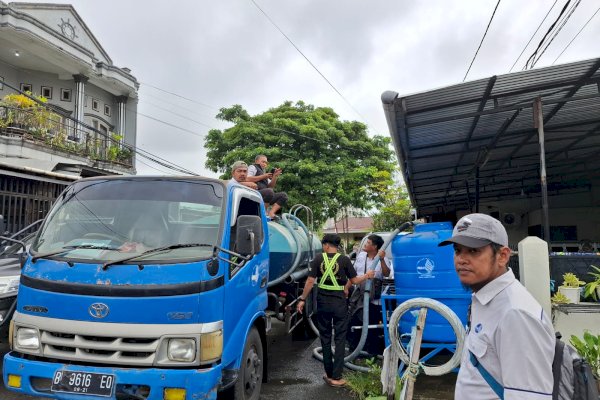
46, 128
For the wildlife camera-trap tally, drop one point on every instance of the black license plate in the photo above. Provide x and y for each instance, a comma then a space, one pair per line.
85, 383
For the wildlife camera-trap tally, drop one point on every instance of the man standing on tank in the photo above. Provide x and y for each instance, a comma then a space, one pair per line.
509, 346
331, 270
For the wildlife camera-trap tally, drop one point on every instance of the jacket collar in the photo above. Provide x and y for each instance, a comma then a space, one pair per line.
492, 289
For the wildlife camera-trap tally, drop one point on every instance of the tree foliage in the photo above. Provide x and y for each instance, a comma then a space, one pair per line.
395, 210
328, 164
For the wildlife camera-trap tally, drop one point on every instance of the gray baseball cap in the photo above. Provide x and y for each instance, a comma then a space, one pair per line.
477, 230
238, 164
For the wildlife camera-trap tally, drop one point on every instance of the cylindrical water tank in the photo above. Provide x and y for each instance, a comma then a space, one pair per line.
283, 248
422, 269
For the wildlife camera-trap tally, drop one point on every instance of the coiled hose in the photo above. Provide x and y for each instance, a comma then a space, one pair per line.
444, 311
317, 352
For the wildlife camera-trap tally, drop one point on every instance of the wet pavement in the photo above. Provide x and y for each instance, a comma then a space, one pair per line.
295, 375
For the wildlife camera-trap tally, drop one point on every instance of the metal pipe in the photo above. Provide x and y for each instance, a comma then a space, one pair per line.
286, 223
296, 276
539, 124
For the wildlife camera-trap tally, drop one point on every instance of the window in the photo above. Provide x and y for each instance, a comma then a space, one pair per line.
95, 105
246, 205
26, 87
65, 94
107, 110
47, 92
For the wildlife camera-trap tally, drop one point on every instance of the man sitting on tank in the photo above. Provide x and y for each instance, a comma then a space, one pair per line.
239, 173
266, 182
370, 251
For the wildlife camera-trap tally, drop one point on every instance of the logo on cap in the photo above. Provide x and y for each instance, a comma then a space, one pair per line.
465, 223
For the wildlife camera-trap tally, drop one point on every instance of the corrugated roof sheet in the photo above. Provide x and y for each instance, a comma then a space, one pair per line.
442, 135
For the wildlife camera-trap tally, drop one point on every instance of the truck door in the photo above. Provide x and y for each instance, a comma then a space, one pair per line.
245, 293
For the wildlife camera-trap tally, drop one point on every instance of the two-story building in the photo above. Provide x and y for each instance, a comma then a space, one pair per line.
86, 123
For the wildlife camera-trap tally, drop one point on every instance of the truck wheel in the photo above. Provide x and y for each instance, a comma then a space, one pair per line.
249, 381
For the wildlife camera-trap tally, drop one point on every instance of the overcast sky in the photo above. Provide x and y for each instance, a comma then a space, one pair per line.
226, 52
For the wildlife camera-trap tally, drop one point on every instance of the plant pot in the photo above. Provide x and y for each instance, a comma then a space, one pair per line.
572, 293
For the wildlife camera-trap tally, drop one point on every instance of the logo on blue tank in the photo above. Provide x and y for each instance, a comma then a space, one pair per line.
98, 310
425, 267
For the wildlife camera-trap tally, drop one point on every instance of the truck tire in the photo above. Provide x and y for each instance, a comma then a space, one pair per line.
250, 378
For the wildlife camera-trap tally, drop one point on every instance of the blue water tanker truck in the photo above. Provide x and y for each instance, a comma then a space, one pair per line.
152, 288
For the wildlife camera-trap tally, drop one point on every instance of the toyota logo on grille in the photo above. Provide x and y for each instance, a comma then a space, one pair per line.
98, 310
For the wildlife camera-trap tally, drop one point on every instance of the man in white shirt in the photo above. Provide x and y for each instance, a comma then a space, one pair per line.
239, 173
371, 250
509, 336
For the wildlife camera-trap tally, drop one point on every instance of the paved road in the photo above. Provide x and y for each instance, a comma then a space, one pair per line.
295, 375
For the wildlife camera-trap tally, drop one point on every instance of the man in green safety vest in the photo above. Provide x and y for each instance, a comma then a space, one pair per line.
332, 270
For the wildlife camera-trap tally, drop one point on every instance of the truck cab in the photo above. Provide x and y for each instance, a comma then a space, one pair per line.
145, 288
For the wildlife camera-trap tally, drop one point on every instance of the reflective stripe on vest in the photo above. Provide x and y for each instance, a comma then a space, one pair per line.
329, 264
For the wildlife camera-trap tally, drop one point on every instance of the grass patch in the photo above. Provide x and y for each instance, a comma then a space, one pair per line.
366, 384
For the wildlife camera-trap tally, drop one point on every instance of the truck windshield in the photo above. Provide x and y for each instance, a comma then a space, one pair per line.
111, 219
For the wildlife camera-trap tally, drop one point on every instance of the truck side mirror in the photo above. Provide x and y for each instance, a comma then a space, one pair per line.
249, 234
23, 255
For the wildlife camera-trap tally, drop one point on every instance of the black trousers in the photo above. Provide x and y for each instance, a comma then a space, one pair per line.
332, 312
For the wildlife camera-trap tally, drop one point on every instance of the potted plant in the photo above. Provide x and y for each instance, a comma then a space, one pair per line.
559, 298
570, 287
592, 289
589, 350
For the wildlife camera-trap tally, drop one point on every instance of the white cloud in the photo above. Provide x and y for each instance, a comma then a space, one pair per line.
226, 52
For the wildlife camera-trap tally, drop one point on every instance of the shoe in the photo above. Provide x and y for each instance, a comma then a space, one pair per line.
274, 218
337, 383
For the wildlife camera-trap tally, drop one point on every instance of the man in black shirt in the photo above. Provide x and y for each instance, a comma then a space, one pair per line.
332, 270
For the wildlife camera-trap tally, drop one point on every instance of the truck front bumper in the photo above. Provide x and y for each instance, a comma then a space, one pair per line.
36, 379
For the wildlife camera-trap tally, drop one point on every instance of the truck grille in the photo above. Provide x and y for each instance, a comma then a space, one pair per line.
100, 349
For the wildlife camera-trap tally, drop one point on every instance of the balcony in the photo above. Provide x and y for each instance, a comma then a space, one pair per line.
38, 124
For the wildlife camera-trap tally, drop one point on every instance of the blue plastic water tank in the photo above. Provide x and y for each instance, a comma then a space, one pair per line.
422, 269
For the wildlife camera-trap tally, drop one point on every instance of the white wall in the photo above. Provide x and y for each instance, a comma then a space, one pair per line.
580, 209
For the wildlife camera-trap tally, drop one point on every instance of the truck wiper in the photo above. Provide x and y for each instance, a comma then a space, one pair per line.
69, 248
156, 250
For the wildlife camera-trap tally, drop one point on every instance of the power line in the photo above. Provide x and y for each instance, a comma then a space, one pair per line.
180, 96
480, 43
310, 62
141, 152
532, 36
156, 169
572, 40
179, 115
558, 19
171, 125
178, 106
564, 21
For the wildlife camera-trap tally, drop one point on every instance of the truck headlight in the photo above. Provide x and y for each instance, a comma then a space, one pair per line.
27, 338
181, 349
9, 284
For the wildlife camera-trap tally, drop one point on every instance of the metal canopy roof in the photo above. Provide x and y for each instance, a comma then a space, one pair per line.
443, 135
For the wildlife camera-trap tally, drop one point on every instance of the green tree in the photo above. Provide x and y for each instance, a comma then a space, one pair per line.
395, 209
328, 164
